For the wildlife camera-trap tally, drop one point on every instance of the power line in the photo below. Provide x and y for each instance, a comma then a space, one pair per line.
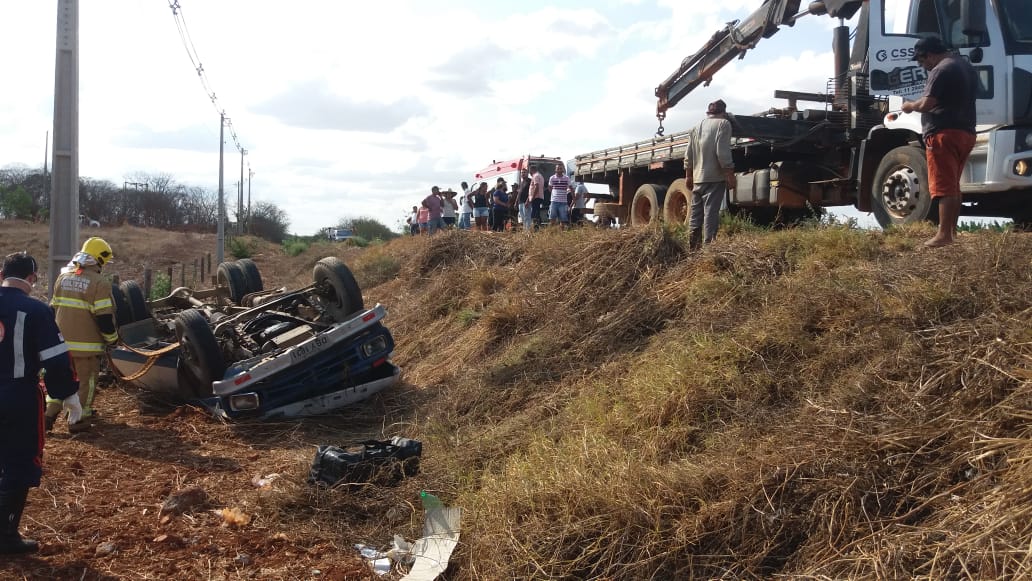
195, 60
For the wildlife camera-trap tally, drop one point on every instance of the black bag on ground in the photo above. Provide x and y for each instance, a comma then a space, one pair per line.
375, 461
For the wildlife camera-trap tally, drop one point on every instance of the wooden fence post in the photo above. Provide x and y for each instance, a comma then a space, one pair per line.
146, 282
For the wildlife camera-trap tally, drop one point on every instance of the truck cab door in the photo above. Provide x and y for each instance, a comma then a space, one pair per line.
897, 24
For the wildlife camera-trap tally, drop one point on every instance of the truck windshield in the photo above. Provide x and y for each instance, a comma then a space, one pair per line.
942, 17
1017, 25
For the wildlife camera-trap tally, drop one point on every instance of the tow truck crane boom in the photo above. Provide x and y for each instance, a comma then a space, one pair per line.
734, 40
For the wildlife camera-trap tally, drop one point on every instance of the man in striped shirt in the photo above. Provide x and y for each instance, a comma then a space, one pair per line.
559, 209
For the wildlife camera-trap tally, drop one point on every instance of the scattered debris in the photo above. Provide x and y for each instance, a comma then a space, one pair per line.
233, 517
264, 481
106, 548
377, 461
440, 537
185, 501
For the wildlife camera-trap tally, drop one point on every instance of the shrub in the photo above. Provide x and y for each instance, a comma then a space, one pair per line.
243, 246
294, 246
161, 286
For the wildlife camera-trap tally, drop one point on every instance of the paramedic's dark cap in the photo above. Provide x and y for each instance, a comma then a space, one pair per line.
18, 265
716, 107
928, 45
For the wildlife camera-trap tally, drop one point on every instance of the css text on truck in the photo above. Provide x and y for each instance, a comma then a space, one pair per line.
844, 146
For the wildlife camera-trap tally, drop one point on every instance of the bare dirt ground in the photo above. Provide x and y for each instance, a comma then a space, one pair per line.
98, 512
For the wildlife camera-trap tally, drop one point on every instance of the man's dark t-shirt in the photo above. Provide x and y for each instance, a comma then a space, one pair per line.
524, 191
953, 82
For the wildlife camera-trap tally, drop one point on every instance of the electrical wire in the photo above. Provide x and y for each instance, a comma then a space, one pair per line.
195, 60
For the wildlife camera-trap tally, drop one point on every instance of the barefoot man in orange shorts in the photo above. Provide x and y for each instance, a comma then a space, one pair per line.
947, 110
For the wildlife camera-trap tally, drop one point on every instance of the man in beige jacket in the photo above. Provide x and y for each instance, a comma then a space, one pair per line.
709, 172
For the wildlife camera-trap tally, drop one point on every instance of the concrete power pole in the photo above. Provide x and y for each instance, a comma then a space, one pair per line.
220, 247
64, 192
250, 174
240, 196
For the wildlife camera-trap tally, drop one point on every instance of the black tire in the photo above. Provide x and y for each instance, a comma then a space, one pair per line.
899, 190
231, 276
647, 205
677, 204
252, 278
136, 299
123, 312
336, 288
199, 353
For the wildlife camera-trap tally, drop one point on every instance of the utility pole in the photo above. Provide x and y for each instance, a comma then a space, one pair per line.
250, 174
64, 193
220, 246
240, 195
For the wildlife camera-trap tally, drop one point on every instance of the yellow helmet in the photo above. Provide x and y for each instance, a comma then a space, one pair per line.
98, 249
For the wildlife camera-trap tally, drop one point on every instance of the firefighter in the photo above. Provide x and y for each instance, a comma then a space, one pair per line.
29, 342
85, 314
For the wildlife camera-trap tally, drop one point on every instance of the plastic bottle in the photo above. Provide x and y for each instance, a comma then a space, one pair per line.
430, 501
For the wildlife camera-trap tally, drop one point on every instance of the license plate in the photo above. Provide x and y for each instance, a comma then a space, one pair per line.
305, 351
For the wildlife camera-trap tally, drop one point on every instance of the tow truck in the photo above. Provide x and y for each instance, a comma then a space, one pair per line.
848, 147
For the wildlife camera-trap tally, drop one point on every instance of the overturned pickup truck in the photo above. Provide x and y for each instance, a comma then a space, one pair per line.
244, 352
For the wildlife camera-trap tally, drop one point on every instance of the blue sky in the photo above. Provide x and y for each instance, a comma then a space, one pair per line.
356, 109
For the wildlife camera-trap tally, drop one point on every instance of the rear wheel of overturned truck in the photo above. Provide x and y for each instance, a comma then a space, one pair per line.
231, 276
336, 288
123, 312
899, 190
136, 299
200, 358
252, 278
647, 205
677, 205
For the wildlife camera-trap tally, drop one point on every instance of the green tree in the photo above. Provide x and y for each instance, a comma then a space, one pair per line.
367, 228
16, 203
268, 221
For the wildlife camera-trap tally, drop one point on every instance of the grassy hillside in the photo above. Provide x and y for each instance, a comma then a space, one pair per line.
832, 403
828, 403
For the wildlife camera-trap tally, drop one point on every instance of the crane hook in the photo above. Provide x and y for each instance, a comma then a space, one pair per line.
661, 116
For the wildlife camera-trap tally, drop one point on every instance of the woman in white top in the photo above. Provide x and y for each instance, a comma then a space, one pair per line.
448, 208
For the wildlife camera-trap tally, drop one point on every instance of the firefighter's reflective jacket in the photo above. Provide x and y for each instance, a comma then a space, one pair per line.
84, 310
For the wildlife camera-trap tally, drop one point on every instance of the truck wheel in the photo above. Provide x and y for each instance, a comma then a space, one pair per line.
678, 203
252, 278
336, 288
899, 191
123, 312
137, 302
647, 204
199, 353
231, 276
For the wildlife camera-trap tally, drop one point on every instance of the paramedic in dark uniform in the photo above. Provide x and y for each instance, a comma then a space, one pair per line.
29, 342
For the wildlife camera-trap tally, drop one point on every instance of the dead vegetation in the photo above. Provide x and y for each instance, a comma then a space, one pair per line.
814, 403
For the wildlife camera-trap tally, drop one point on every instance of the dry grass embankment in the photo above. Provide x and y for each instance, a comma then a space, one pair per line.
825, 403
605, 405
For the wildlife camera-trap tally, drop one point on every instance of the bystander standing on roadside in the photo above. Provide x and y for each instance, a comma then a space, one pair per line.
413, 221
559, 209
523, 200
537, 194
499, 206
435, 207
514, 194
423, 220
580, 203
481, 207
465, 209
448, 208
947, 110
708, 172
